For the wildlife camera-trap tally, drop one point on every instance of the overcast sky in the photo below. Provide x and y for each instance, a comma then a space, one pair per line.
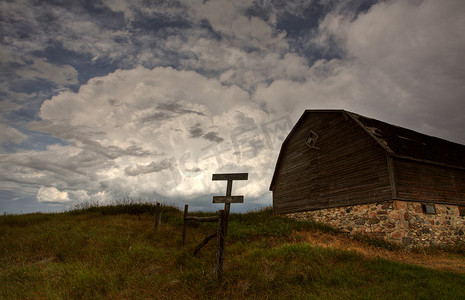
102, 100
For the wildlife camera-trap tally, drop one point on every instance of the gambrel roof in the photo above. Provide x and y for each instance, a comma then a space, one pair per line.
398, 142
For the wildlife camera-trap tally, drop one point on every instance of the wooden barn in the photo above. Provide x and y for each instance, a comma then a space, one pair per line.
364, 175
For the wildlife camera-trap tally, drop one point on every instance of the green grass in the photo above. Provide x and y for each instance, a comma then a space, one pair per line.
113, 252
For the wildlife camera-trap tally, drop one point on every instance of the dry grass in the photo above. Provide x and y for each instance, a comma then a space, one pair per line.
438, 259
113, 253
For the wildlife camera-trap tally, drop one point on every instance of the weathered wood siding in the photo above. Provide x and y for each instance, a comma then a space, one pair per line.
350, 167
418, 181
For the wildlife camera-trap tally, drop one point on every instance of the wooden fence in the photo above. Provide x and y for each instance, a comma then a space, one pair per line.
219, 234
222, 219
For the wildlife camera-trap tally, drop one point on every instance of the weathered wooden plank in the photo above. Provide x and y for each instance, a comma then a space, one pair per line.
230, 176
314, 206
302, 202
422, 182
327, 134
228, 199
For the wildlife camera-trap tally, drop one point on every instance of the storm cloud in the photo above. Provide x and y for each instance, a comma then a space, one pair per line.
110, 99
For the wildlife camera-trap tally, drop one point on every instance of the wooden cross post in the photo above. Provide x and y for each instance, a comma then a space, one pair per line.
228, 199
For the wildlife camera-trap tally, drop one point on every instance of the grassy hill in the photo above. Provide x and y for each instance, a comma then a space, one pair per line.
114, 252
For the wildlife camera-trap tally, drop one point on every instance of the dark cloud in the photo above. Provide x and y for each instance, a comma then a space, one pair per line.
178, 108
213, 137
153, 167
158, 116
158, 23
82, 136
61, 171
115, 102
55, 52
114, 152
168, 111
195, 131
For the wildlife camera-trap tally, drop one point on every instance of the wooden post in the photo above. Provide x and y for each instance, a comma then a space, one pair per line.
157, 216
184, 225
220, 246
227, 207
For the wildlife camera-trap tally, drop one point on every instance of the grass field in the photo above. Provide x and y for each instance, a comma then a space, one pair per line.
114, 252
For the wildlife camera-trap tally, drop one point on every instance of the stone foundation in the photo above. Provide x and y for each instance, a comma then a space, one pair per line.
396, 221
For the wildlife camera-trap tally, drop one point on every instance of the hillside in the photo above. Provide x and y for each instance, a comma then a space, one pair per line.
114, 252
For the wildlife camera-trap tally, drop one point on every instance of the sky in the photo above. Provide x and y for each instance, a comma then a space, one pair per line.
105, 100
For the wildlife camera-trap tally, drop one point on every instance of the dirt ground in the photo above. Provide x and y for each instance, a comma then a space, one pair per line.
437, 259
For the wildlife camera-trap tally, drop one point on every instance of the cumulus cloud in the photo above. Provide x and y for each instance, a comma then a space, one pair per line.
51, 194
139, 132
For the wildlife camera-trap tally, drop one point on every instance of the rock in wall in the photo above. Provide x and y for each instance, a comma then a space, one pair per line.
396, 221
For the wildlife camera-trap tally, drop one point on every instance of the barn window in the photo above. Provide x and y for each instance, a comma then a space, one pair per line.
428, 209
311, 139
462, 211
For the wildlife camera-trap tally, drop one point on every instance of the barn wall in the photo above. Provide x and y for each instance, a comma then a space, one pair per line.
396, 221
424, 182
350, 167
296, 169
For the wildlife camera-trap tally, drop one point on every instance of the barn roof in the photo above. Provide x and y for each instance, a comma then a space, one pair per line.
409, 144
399, 142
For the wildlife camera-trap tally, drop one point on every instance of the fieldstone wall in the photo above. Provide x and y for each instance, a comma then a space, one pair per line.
396, 221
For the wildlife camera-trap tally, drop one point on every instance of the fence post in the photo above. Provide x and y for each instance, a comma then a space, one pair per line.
220, 246
157, 216
184, 225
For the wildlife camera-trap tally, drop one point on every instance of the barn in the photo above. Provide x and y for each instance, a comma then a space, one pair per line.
365, 176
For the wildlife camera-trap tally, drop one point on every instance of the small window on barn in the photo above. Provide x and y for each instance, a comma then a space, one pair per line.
311, 139
462, 211
428, 209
